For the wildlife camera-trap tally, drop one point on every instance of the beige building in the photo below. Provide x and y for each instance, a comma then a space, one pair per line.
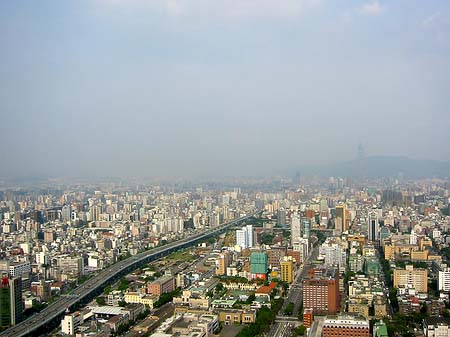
359, 307
135, 297
417, 278
222, 262
230, 317
192, 301
287, 270
379, 305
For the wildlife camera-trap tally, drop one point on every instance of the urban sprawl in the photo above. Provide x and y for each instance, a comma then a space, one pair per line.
276, 257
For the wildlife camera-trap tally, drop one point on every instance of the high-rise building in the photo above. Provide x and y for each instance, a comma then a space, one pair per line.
11, 306
340, 221
306, 224
373, 226
281, 217
321, 293
287, 270
276, 255
15, 289
295, 229
66, 213
222, 262
346, 325
410, 276
259, 265
244, 237
5, 303
444, 280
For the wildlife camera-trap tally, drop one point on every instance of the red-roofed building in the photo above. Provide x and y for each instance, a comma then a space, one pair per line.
265, 291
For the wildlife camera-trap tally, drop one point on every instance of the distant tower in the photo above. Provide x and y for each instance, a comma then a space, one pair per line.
360, 154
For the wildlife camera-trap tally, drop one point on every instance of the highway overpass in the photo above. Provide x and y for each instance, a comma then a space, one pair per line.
48, 318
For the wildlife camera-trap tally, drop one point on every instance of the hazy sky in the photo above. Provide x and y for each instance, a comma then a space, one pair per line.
227, 87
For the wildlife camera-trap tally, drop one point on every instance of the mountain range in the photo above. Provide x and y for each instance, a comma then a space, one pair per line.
382, 166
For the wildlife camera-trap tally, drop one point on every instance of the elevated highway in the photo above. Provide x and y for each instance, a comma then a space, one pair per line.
46, 319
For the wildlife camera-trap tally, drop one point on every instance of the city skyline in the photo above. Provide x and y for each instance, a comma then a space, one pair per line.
191, 88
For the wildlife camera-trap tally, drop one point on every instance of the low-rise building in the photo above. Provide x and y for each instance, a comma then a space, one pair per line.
346, 325
237, 316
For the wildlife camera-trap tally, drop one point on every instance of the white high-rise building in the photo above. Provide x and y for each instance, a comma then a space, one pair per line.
413, 237
444, 279
302, 246
295, 229
244, 237
334, 254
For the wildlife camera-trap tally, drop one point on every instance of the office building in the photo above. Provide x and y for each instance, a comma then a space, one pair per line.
373, 226
340, 220
11, 306
321, 293
281, 217
306, 224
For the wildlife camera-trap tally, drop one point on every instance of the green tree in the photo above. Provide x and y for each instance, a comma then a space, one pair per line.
250, 299
289, 309
100, 300
219, 287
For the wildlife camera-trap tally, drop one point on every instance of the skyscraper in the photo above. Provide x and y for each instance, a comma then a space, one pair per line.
340, 221
281, 217
11, 307
15, 290
295, 229
306, 223
5, 304
373, 226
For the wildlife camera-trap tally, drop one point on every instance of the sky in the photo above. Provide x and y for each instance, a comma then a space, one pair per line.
222, 88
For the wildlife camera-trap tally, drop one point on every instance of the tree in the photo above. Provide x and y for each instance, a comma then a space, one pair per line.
299, 331
289, 309
250, 299
124, 283
267, 239
219, 287
100, 300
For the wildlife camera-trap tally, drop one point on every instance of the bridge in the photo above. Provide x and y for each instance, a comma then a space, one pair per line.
49, 317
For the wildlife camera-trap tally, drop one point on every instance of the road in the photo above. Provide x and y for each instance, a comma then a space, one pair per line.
284, 324
295, 293
57, 308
